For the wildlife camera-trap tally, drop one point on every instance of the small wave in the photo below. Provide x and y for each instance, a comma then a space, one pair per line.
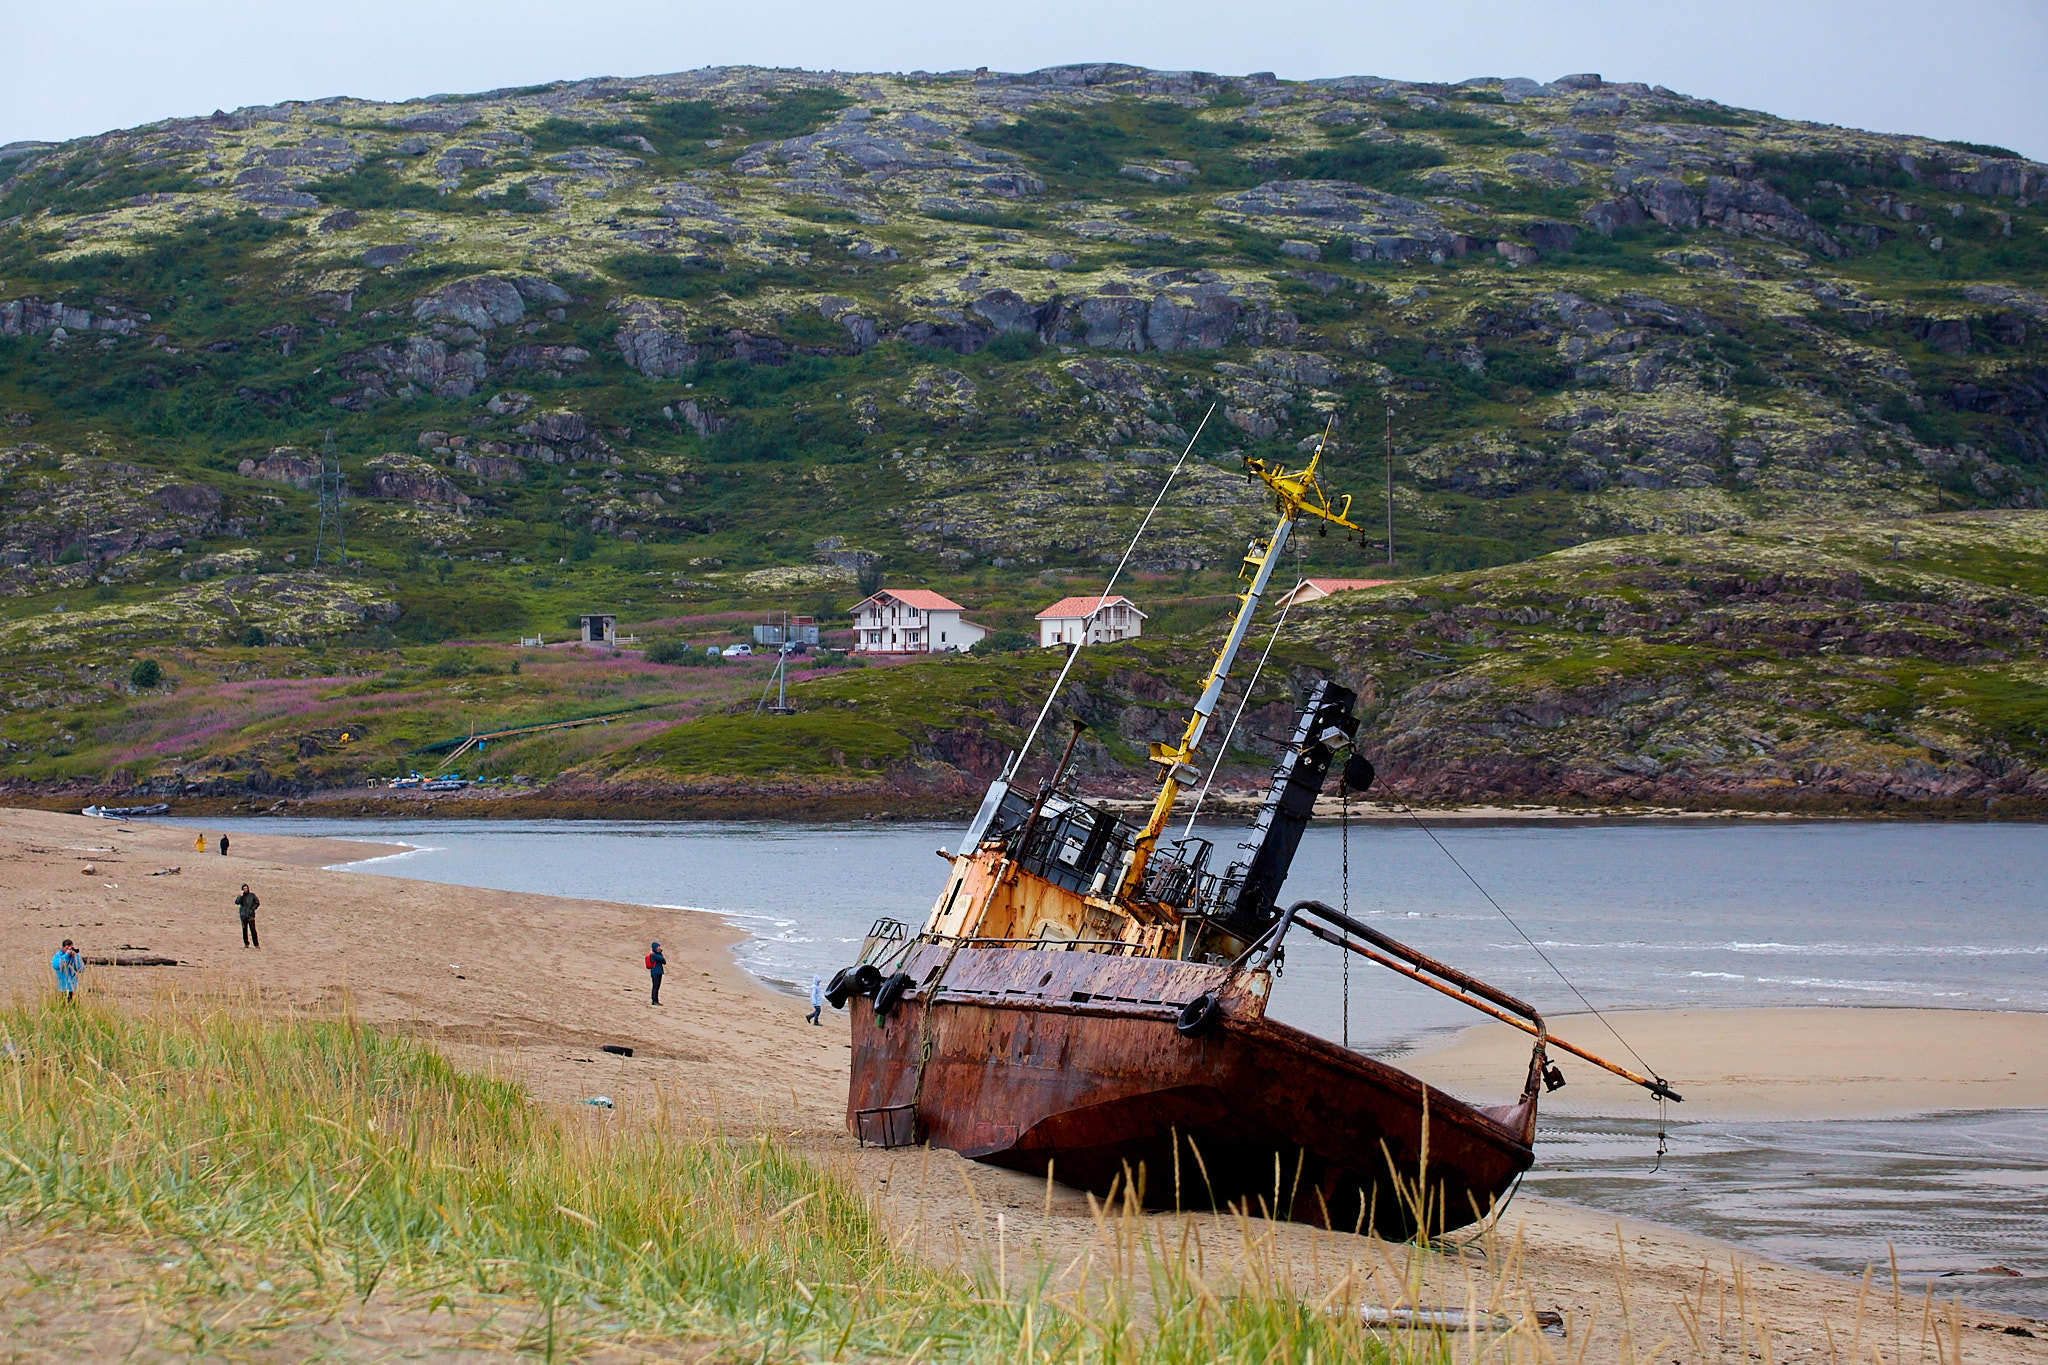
1914, 988
1877, 949
1718, 976
1771, 947
407, 851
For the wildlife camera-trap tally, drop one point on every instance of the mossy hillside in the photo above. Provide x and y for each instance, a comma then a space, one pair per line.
948, 724
1793, 664
745, 229
927, 319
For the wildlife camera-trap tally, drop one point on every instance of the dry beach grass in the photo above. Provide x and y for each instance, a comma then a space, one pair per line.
472, 1219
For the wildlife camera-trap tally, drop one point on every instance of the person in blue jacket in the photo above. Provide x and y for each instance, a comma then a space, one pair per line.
655, 964
65, 963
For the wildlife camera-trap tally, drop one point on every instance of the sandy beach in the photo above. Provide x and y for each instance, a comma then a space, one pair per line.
1818, 1063
533, 987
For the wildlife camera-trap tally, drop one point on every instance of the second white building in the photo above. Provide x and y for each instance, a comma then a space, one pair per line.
1089, 621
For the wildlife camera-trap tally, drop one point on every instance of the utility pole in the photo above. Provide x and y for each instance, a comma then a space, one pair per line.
330, 505
1390, 480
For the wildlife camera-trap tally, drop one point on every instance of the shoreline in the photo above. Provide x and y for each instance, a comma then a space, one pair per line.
532, 987
770, 806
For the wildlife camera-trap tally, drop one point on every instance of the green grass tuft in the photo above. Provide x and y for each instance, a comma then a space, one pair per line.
352, 1164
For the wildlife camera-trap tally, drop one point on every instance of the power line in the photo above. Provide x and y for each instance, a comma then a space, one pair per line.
331, 523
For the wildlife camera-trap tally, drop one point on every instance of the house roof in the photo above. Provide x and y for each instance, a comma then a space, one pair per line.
924, 599
1328, 585
1081, 608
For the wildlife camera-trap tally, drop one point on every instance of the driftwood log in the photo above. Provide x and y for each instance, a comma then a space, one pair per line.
129, 960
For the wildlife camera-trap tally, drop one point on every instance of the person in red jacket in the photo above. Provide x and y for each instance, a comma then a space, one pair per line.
655, 963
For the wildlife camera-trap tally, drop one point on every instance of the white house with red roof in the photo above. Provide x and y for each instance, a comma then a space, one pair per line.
1089, 621
912, 621
1316, 589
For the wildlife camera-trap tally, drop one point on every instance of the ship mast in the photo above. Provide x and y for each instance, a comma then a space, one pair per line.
1295, 493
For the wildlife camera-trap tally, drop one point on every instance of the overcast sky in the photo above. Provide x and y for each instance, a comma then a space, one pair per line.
1967, 69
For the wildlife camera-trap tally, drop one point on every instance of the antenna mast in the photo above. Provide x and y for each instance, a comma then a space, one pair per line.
1390, 480
1296, 493
330, 505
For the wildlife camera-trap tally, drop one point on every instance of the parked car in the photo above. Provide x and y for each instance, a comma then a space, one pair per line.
795, 647
739, 651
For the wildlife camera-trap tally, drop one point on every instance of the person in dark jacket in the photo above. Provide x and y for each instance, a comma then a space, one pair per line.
656, 964
245, 905
223, 845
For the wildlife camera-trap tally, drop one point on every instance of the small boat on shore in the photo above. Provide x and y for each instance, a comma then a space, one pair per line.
126, 812
1088, 1001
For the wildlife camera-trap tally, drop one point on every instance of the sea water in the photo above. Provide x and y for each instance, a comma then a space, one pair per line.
1634, 914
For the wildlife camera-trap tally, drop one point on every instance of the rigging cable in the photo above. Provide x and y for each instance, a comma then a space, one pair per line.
1017, 764
1409, 811
1344, 821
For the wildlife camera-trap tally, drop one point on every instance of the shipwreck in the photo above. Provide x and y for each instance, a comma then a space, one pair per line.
1088, 998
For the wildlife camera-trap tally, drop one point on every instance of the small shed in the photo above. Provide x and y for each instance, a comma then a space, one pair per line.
600, 629
801, 630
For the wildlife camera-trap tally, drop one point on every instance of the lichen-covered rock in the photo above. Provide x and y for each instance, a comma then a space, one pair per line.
284, 464
653, 338
1747, 208
482, 302
407, 478
66, 517
31, 316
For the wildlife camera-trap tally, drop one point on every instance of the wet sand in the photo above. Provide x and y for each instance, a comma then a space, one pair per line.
1813, 1063
533, 986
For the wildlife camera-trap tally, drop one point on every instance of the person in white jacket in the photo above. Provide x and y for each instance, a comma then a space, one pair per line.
817, 996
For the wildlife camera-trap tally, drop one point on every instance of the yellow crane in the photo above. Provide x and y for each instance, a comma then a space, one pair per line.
1296, 493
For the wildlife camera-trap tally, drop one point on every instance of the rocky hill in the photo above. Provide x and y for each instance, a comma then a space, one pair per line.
731, 337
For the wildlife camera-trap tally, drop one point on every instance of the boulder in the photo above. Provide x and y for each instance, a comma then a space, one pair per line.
1008, 311
698, 420
1664, 197
482, 302
1546, 235
1613, 215
1752, 208
1548, 170
407, 478
652, 338
434, 121
1950, 336
284, 464
492, 468
378, 257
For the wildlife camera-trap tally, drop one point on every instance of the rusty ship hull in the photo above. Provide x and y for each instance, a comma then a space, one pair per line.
1030, 1059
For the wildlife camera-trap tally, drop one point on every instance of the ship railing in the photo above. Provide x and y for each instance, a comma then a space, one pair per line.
886, 938
1111, 945
1185, 884
1340, 930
